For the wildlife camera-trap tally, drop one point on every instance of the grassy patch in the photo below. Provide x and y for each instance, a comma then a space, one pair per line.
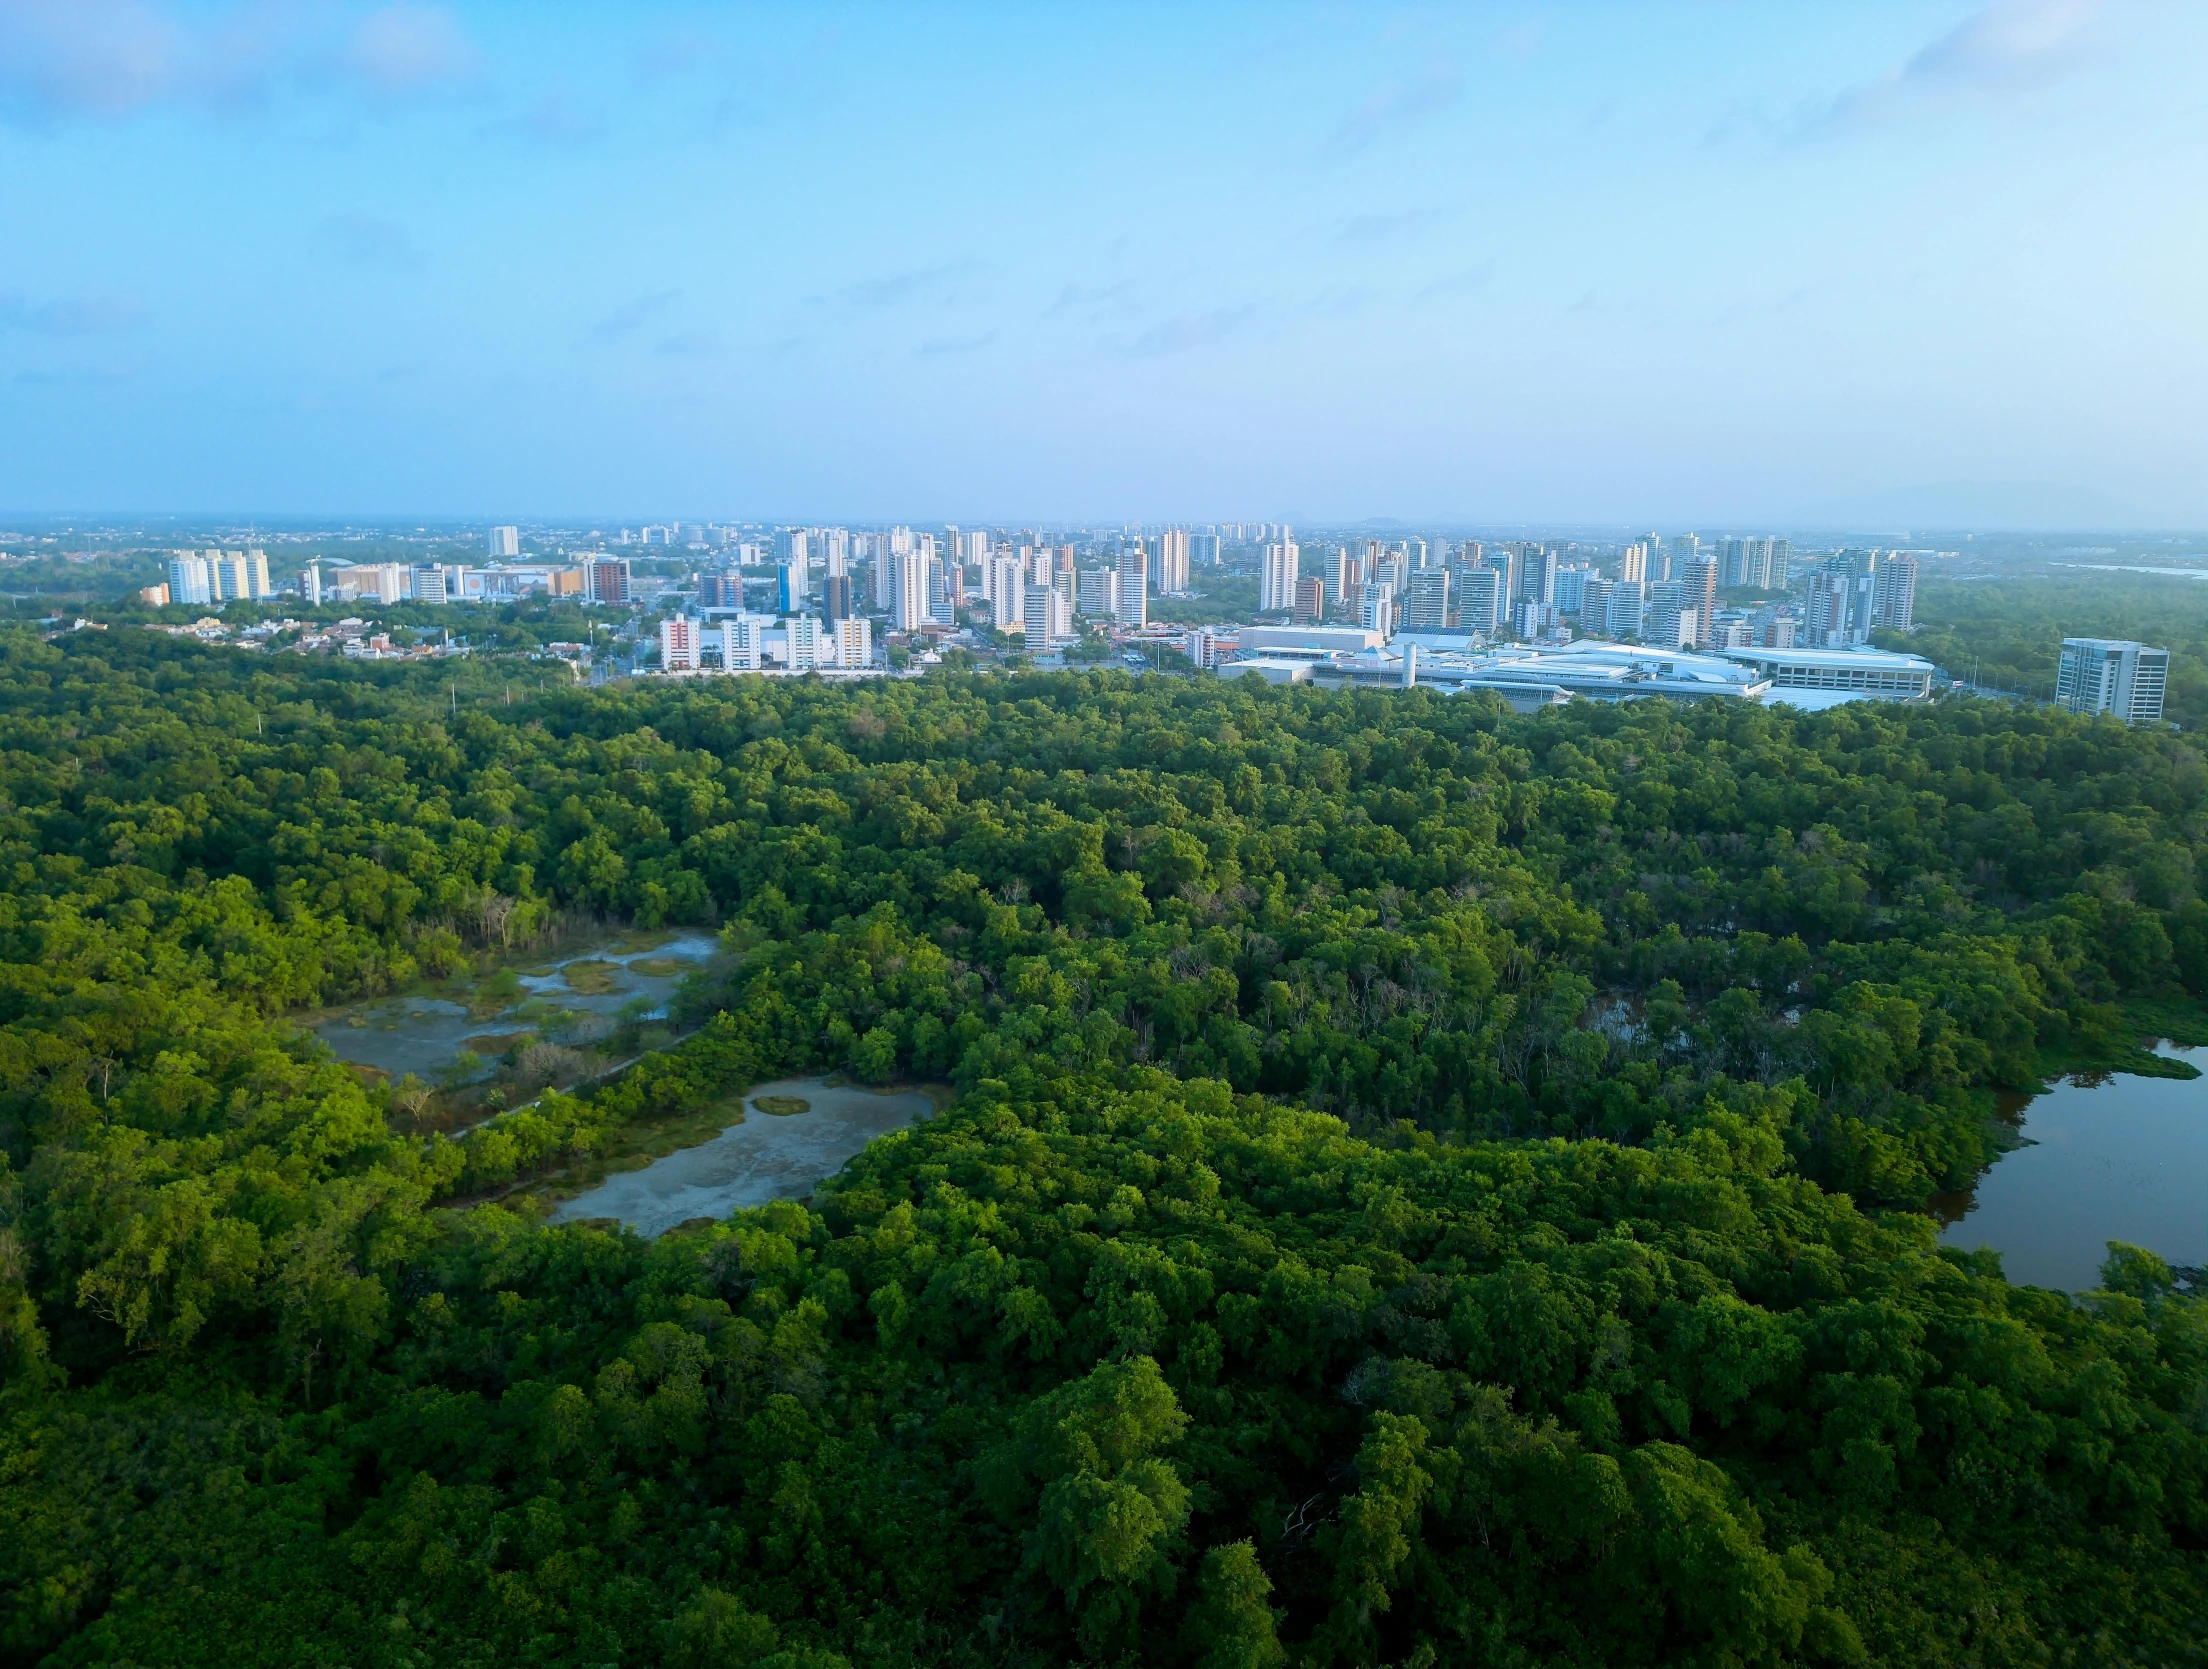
629, 1148
781, 1106
2143, 1063
2183, 1020
495, 993
592, 978
637, 943
660, 967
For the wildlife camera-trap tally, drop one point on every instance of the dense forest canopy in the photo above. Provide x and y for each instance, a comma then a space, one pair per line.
1425, 1185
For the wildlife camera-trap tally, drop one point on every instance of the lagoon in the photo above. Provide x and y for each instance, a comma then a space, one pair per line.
2108, 1156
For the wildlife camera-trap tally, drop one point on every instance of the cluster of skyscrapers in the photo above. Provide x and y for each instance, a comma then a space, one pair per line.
1654, 589
590, 578
829, 584
921, 580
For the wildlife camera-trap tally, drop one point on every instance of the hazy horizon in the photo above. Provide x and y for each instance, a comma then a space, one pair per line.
1927, 265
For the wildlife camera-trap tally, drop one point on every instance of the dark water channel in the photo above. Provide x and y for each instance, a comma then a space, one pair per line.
2108, 1157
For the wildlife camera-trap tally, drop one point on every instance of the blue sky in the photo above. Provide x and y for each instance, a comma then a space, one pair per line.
1727, 263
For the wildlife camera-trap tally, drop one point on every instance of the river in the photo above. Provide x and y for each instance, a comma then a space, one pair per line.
2107, 1157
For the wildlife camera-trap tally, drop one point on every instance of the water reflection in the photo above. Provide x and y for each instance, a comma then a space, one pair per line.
2108, 1157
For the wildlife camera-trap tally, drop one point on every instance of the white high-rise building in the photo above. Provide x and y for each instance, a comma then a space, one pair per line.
310, 585
1046, 618
1134, 588
1480, 600
1537, 578
1376, 609
382, 582
1756, 562
854, 646
1097, 593
1004, 589
678, 644
1276, 579
908, 589
1622, 605
1571, 588
189, 581
802, 633
226, 577
506, 541
740, 644
1172, 561
1426, 609
1669, 615
1894, 597
2111, 675
1842, 598
429, 584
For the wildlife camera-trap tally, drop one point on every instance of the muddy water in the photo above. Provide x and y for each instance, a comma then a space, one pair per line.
769, 1156
2112, 1157
589, 984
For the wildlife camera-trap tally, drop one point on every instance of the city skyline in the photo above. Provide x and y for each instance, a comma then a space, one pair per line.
1897, 265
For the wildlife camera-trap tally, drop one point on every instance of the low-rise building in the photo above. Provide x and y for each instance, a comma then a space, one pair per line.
1863, 674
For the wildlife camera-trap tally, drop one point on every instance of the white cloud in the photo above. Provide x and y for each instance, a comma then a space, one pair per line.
406, 48
1399, 104
2004, 49
1186, 331
109, 60
1361, 229
101, 58
690, 344
940, 346
934, 283
632, 316
87, 312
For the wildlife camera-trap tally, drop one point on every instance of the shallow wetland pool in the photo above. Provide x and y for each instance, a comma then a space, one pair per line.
804, 1132
595, 982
